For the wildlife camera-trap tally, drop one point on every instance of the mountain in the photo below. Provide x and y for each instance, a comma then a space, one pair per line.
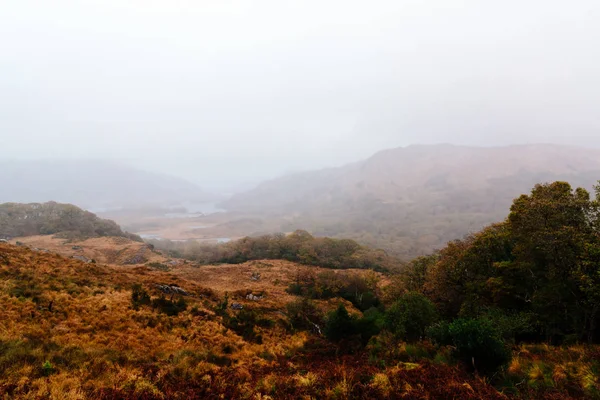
412, 200
92, 184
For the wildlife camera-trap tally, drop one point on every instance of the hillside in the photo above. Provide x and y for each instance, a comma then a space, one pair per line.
166, 328
92, 184
412, 200
66, 220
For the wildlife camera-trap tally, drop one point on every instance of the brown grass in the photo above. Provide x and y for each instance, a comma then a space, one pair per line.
68, 331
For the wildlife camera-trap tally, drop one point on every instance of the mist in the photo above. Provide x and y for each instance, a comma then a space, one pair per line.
228, 93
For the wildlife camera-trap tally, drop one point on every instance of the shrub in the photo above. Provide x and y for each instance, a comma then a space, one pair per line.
47, 368
340, 324
243, 324
478, 343
139, 296
439, 333
370, 324
303, 314
169, 307
410, 316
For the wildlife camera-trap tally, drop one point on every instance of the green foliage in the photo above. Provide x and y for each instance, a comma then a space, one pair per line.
478, 343
410, 316
359, 290
168, 306
139, 296
541, 268
299, 247
47, 368
510, 325
370, 325
340, 324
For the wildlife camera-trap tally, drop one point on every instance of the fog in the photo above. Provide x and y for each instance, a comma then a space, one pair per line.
227, 93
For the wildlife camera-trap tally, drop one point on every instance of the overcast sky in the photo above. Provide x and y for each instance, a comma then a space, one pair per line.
226, 92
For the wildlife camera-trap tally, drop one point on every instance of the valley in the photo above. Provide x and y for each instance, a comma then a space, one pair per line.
87, 315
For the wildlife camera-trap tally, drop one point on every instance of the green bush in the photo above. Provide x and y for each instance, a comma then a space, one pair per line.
410, 316
47, 368
340, 324
139, 296
169, 307
478, 343
370, 324
243, 324
439, 333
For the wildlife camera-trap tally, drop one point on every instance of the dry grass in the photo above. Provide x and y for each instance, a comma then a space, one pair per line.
68, 331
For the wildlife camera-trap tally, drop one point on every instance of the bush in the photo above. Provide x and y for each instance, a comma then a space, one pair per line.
439, 333
478, 343
303, 314
47, 368
410, 316
511, 326
169, 307
139, 296
243, 324
340, 324
370, 324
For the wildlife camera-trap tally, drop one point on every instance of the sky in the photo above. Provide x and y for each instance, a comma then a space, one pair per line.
226, 93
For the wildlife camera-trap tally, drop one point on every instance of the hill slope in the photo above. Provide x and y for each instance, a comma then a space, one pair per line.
18, 220
92, 184
411, 200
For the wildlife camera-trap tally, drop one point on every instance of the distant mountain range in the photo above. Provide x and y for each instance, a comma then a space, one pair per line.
414, 199
93, 184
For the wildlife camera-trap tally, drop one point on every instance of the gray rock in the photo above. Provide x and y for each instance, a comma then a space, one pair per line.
236, 306
172, 289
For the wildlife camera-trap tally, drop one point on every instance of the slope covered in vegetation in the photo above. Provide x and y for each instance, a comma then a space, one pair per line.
410, 201
66, 220
299, 246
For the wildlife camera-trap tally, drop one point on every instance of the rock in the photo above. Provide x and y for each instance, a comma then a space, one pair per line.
172, 289
76, 248
3, 241
255, 276
253, 297
236, 306
137, 259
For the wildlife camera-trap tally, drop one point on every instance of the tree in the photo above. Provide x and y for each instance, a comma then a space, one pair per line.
551, 229
410, 316
340, 324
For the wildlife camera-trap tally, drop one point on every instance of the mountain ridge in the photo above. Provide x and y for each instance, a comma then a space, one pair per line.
401, 197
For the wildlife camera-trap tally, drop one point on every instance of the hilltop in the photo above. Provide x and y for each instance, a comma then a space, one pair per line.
412, 200
65, 220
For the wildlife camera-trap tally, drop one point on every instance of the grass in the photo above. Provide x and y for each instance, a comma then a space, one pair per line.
92, 344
